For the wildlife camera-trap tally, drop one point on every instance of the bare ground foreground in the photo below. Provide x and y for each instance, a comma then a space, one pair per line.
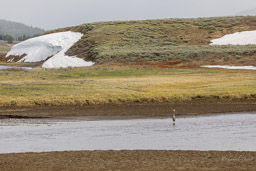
129, 160
127, 110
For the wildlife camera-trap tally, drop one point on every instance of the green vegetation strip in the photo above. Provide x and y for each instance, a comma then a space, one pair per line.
77, 87
181, 53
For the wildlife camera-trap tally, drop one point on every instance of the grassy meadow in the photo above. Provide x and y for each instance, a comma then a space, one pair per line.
121, 85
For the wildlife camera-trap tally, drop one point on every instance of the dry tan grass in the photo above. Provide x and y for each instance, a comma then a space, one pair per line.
80, 87
4, 49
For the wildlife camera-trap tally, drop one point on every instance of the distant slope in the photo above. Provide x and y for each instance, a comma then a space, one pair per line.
175, 41
180, 40
251, 12
18, 29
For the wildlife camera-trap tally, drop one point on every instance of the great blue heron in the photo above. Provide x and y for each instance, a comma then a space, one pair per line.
174, 117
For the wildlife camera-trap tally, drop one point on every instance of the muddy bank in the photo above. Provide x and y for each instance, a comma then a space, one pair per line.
130, 160
126, 110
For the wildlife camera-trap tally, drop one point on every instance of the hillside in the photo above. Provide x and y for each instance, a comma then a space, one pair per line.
159, 43
17, 30
179, 40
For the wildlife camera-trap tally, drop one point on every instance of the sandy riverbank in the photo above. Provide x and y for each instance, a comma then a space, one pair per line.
129, 160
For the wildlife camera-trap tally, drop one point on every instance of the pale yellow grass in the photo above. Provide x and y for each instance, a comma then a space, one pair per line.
100, 87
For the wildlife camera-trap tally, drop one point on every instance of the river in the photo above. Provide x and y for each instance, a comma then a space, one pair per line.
4, 67
206, 132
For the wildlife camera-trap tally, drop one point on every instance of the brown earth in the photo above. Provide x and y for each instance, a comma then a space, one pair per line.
246, 61
14, 58
129, 160
2, 57
127, 110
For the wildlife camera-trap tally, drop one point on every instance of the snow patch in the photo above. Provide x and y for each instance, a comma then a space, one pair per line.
239, 38
229, 67
52, 46
62, 61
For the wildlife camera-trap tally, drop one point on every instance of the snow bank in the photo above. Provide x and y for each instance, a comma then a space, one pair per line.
229, 67
55, 46
62, 61
239, 38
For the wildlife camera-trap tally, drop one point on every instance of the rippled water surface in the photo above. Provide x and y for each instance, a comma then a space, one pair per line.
211, 132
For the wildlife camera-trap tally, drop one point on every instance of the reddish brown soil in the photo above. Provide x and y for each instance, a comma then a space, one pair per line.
246, 61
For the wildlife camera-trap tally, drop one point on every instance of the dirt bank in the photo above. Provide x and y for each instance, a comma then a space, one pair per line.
129, 160
128, 110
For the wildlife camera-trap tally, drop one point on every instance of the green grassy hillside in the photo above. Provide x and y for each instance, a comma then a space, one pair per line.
183, 40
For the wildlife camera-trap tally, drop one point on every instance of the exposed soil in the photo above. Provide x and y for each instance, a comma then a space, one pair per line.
127, 110
129, 160
245, 61
2, 57
14, 58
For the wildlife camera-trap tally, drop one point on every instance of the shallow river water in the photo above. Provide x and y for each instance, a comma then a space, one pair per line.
4, 67
209, 132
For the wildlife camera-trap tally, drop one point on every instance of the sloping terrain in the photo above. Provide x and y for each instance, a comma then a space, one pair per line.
180, 40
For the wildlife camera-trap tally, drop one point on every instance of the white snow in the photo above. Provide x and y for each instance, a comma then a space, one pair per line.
55, 46
229, 67
62, 61
239, 38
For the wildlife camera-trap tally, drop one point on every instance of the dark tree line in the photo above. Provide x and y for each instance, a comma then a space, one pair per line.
10, 31
7, 38
10, 39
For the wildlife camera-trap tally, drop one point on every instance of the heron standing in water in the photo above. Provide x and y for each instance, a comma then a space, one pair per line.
173, 117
